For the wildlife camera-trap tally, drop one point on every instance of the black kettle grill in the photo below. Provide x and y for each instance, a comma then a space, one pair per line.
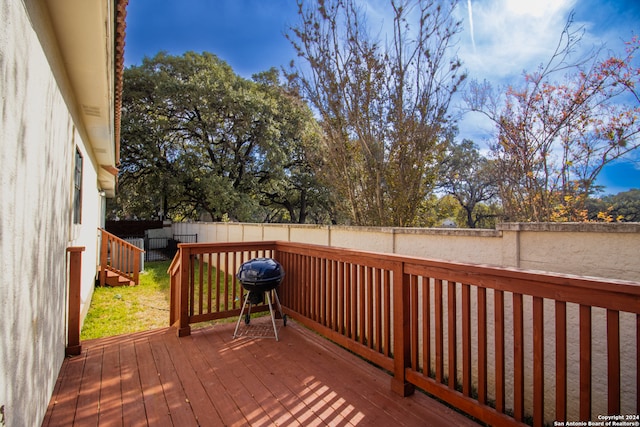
259, 277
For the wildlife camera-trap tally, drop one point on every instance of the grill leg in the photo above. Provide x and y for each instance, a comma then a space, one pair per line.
275, 295
246, 298
282, 315
273, 315
248, 315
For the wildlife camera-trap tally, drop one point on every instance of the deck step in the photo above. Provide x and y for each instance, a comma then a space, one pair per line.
115, 279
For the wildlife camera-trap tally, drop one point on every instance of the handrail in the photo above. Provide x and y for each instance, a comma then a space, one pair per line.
119, 256
487, 340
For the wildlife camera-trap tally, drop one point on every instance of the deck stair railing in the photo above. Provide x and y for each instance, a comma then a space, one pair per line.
119, 261
505, 346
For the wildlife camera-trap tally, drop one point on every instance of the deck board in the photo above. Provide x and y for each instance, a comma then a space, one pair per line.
133, 410
88, 403
110, 389
226, 409
66, 393
156, 408
210, 379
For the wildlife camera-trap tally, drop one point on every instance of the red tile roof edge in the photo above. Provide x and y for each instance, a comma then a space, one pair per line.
120, 27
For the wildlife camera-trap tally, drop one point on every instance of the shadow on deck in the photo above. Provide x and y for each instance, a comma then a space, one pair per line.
210, 379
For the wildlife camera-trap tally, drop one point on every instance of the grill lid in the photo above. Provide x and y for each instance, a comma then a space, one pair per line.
260, 270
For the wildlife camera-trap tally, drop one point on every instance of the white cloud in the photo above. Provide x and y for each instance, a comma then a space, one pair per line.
536, 9
511, 35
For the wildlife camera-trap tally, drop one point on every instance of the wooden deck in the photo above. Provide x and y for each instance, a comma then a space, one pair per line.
209, 379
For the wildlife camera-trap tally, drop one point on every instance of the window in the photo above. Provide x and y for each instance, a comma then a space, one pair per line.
77, 189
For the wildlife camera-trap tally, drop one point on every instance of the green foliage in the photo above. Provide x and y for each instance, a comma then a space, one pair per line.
442, 210
471, 179
621, 207
199, 140
487, 215
446, 211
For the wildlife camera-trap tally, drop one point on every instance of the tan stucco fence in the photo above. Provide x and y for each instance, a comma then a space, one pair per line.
589, 249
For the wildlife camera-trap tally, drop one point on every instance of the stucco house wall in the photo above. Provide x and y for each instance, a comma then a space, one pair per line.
35, 222
42, 124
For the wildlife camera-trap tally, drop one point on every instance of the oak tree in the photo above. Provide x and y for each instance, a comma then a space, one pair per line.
470, 178
199, 139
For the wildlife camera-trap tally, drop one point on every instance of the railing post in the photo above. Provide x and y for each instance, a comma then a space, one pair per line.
75, 279
136, 266
104, 245
174, 283
401, 331
183, 305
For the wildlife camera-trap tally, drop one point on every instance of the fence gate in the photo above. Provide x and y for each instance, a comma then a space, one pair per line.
165, 248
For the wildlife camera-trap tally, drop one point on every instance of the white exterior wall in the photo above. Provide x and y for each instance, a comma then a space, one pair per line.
86, 233
38, 139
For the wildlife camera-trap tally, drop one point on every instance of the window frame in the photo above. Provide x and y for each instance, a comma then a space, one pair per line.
78, 165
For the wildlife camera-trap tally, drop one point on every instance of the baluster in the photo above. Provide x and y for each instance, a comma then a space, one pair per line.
482, 345
538, 361
426, 326
387, 312
585, 362
613, 361
466, 340
439, 331
518, 356
413, 292
499, 353
451, 303
561, 361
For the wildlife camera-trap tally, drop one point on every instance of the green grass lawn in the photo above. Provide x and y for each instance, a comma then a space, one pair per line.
128, 309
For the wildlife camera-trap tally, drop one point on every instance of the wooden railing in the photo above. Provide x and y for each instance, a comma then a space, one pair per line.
203, 282
475, 310
504, 346
344, 295
120, 258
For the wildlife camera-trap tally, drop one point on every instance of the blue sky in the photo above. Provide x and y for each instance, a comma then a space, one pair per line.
508, 36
